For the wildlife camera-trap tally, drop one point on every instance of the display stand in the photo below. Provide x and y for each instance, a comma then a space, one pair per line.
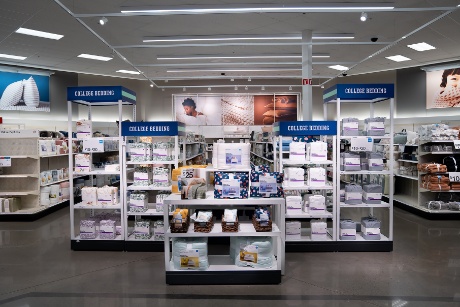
364, 94
107, 97
323, 130
221, 268
158, 131
21, 163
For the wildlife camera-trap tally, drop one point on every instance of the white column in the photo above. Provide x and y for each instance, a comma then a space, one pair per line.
307, 90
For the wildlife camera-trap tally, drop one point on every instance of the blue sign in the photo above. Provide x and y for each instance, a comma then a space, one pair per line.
101, 94
24, 92
359, 92
152, 128
303, 128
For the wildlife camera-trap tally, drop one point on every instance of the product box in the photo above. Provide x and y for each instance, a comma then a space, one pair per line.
112, 167
370, 228
42, 147
297, 151
82, 163
107, 230
159, 231
138, 203
142, 230
293, 230
88, 229
347, 230
294, 204
316, 177
318, 231
317, 151
317, 204
84, 129
89, 196
295, 176
104, 196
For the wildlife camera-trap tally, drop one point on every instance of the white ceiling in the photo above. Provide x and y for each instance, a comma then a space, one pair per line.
122, 36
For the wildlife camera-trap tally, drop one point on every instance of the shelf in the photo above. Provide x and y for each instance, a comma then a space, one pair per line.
410, 145
305, 215
359, 237
118, 238
262, 157
439, 153
191, 143
87, 207
229, 169
306, 187
436, 141
175, 199
381, 205
365, 172
101, 172
106, 138
302, 162
305, 236
375, 137
190, 158
150, 162
19, 193
449, 191
148, 188
34, 210
20, 176
223, 263
257, 142
406, 200
57, 155
409, 161
63, 180
133, 239
407, 176
22, 157
151, 212
245, 229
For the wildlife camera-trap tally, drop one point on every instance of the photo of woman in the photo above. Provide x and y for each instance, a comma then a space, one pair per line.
448, 95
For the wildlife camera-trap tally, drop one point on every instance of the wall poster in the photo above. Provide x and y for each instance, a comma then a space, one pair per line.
24, 92
443, 88
235, 109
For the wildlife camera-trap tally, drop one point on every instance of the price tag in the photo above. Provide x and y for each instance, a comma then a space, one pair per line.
457, 144
93, 145
364, 143
5, 161
454, 177
188, 173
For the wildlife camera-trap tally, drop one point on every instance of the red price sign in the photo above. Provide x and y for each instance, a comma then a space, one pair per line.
307, 81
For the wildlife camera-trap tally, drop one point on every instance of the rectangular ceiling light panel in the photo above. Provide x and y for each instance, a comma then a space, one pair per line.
421, 46
13, 57
131, 72
398, 58
339, 67
238, 57
39, 33
198, 38
94, 57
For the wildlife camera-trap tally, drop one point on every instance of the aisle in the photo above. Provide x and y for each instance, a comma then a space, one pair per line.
37, 268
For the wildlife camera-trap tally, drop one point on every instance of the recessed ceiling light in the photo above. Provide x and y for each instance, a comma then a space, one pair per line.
13, 57
339, 67
39, 33
94, 57
398, 58
132, 72
235, 70
162, 39
421, 46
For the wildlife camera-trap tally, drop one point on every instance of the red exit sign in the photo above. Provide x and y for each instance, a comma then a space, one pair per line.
307, 81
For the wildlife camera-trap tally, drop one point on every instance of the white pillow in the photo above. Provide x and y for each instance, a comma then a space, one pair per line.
12, 94
31, 94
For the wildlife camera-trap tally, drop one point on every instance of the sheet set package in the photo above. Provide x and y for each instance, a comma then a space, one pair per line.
107, 230
160, 197
84, 129
350, 126
190, 253
112, 167
353, 194
105, 196
317, 151
347, 230
293, 230
256, 252
89, 196
318, 230
82, 163
231, 155
231, 185
159, 231
372, 161
138, 202
370, 228
316, 177
350, 161
163, 151
316, 204
297, 151
140, 152
143, 176
293, 204
295, 176
88, 229
374, 126
265, 184
142, 230
372, 194
160, 177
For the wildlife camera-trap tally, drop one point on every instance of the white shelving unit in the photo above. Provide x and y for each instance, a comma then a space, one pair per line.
21, 177
221, 269
266, 145
364, 94
288, 130
158, 131
110, 97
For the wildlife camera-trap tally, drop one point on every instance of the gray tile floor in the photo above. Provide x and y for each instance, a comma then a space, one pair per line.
37, 268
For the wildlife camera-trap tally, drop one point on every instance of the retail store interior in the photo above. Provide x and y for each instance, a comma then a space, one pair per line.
273, 154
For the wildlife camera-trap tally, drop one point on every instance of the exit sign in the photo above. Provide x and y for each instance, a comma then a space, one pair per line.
307, 81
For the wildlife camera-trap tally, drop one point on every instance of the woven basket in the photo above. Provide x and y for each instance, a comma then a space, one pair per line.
180, 229
230, 227
260, 228
203, 226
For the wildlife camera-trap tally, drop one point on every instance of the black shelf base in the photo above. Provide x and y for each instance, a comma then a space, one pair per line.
144, 246
257, 277
339, 246
33, 216
97, 245
311, 246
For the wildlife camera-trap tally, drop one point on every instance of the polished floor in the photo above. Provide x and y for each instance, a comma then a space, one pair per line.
37, 268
